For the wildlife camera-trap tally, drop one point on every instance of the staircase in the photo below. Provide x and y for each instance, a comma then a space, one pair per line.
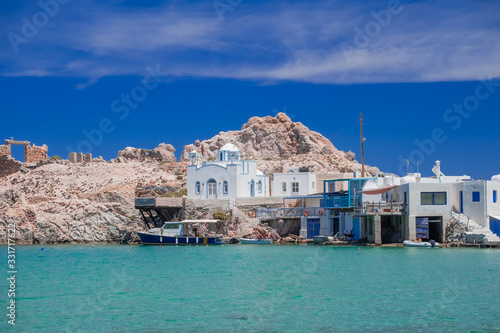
475, 233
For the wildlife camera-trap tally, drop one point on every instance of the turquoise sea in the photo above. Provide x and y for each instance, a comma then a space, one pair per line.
270, 288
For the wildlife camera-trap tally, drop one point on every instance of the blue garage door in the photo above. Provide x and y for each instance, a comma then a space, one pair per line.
495, 226
312, 228
356, 230
422, 230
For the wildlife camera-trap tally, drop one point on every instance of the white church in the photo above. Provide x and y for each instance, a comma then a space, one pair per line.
228, 178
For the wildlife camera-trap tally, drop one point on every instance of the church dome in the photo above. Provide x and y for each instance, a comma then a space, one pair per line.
229, 153
230, 147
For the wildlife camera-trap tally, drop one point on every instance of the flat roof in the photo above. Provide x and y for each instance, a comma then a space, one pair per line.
347, 179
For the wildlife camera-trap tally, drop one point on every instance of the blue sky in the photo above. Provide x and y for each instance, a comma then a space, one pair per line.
83, 75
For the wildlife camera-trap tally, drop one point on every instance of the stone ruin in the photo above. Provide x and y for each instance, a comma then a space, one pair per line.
32, 155
80, 157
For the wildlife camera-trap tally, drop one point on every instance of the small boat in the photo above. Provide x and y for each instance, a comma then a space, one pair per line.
256, 241
430, 243
172, 233
322, 239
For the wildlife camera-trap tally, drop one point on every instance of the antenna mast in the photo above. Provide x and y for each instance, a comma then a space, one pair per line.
362, 148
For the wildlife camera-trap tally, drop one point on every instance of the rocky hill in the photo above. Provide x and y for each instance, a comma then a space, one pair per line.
65, 202
277, 144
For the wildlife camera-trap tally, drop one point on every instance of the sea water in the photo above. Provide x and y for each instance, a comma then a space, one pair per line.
249, 288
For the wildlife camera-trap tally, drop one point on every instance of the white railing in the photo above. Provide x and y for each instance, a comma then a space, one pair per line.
381, 207
290, 212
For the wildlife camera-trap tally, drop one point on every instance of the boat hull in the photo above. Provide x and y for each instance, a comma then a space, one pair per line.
419, 244
149, 239
255, 241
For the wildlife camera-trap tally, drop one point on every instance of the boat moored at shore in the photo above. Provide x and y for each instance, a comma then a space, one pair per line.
431, 243
175, 233
256, 241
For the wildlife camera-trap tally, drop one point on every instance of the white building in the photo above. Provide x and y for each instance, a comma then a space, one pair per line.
393, 209
228, 178
293, 183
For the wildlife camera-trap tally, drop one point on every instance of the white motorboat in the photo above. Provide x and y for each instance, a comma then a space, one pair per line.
256, 241
420, 244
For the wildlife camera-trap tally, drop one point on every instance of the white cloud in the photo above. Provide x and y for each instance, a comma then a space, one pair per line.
268, 42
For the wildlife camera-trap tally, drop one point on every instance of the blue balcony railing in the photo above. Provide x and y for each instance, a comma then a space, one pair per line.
341, 201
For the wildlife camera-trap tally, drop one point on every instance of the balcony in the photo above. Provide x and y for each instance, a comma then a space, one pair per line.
381, 208
335, 200
343, 193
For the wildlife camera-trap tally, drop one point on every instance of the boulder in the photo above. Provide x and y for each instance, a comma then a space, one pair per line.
164, 153
131, 153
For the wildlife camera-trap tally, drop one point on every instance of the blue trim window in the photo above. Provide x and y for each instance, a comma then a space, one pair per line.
211, 188
197, 187
476, 196
245, 167
225, 187
494, 195
433, 198
259, 186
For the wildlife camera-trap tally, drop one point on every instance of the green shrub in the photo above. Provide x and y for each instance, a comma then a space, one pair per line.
220, 216
56, 158
179, 177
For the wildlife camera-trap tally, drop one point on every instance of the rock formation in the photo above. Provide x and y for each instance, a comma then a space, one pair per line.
277, 144
163, 153
65, 202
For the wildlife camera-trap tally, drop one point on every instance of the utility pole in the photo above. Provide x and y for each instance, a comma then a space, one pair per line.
362, 149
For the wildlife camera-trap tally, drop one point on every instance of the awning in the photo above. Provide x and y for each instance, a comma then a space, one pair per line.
379, 190
495, 217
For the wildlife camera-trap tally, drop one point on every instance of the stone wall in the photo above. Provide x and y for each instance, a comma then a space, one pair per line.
35, 154
8, 166
5, 150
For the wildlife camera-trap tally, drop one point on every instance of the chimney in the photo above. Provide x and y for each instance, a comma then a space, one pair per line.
438, 169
